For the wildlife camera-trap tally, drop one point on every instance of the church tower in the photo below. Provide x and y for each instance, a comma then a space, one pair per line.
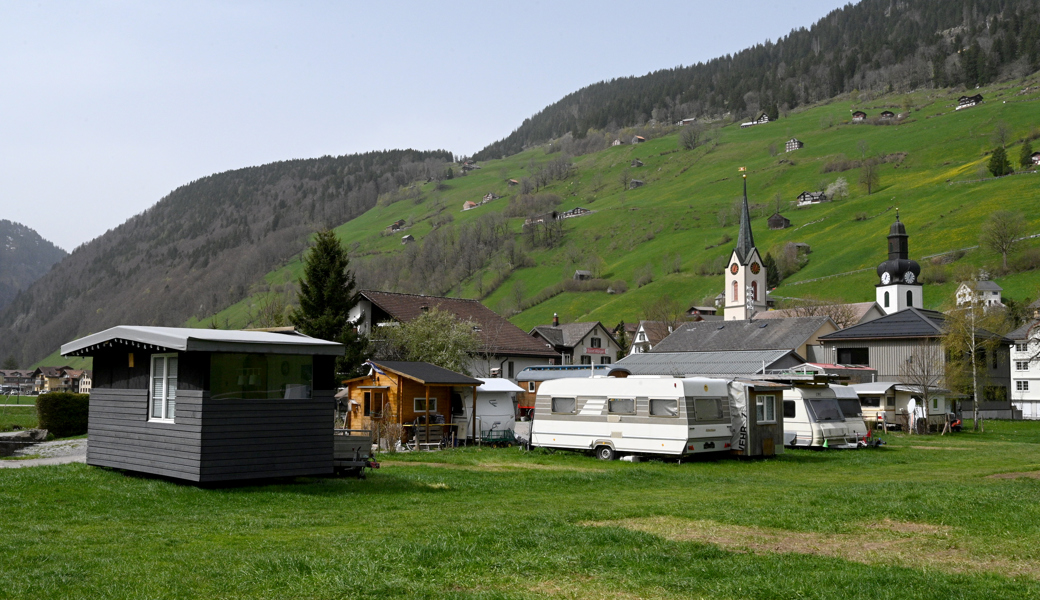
899, 288
746, 276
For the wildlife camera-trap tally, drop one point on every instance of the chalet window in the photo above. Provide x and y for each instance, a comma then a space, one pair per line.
596, 342
604, 360
664, 407
765, 409
368, 404
563, 406
708, 409
1021, 365
1020, 347
586, 360
1022, 386
853, 356
163, 388
789, 409
420, 405
621, 406
530, 386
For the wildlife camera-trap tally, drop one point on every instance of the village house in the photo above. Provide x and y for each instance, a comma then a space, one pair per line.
469, 205
579, 343
48, 379
407, 239
17, 381
638, 139
859, 116
761, 119
616, 142
778, 221
887, 115
792, 145
984, 293
648, 334
574, 212
505, 348
208, 405
807, 198
968, 101
1035, 157
1025, 372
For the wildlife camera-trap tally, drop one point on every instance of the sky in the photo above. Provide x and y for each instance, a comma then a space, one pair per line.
106, 107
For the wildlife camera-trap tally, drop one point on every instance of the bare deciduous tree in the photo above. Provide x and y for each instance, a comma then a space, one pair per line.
841, 313
1001, 134
1000, 232
923, 370
870, 174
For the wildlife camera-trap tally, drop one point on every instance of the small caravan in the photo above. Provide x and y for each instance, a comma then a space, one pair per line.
814, 419
852, 410
633, 415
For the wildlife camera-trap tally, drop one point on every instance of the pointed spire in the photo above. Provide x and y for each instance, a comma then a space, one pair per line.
745, 240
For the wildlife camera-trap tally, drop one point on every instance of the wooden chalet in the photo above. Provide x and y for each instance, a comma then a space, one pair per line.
761, 119
417, 396
968, 101
859, 116
807, 198
469, 205
778, 221
887, 115
574, 212
793, 144
206, 405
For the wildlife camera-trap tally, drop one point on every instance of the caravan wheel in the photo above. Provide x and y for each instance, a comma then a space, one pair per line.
605, 453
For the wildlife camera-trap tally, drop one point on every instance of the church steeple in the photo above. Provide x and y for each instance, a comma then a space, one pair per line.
899, 286
745, 239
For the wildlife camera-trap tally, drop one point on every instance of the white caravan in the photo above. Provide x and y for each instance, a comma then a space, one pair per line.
813, 419
852, 410
633, 415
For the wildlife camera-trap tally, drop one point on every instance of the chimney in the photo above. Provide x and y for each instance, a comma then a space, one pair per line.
556, 320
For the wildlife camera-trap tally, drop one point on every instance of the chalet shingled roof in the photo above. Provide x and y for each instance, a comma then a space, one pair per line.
713, 336
567, 335
426, 373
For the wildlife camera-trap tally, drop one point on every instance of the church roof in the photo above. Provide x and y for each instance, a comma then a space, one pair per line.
745, 240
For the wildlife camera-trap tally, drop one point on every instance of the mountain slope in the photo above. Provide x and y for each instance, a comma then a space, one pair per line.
24, 258
201, 247
876, 45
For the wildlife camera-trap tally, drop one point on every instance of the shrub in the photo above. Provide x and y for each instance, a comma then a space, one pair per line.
644, 275
1028, 260
618, 287
63, 414
861, 216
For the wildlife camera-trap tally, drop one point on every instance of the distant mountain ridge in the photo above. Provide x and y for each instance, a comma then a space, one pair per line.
24, 257
202, 247
876, 45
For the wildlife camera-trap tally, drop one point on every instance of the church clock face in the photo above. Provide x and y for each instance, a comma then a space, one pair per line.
886, 278
908, 277
734, 268
755, 268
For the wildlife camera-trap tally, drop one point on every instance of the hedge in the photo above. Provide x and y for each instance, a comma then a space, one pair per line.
63, 414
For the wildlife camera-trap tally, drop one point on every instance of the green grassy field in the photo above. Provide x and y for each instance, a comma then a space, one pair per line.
27, 400
923, 517
22, 416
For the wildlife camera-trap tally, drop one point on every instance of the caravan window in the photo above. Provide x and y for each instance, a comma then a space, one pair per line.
708, 409
765, 409
563, 405
621, 406
870, 401
789, 409
850, 408
661, 407
824, 409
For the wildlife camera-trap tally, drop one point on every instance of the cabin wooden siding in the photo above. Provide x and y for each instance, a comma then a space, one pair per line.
399, 396
764, 439
210, 440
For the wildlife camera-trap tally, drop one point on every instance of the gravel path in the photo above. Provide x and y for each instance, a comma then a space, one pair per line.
50, 453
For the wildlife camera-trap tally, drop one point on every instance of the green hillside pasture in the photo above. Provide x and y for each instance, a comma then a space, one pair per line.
686, 206
924, 517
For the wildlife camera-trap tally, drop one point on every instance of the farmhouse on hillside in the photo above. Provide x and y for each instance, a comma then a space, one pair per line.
1035, 157
859, 116
762, 118
207, 405
968, 101
793, 144
408, 239
887, 115
807, 198
778, 221
505, 348
586, 343
469, 205
638, 139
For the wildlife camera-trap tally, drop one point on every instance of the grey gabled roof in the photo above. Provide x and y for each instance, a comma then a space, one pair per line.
713, 336
426, 373
568, 334
907, 323
679, 364
1022, 333
185, 339
547, 372
987, 286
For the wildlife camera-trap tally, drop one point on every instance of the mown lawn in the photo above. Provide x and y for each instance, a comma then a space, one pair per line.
22, 416
920, 518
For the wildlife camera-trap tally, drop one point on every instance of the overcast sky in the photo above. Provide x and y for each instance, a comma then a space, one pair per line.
105, 107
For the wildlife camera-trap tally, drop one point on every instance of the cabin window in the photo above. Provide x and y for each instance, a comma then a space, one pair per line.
621, 406
708, 409
378, 404
163, 388
530, 386
935, 403
765, 409
853, 356
664, 407
563, 406
596, 342
586, 359
420, 405
604, 360
368, 404
260, 376
789, 409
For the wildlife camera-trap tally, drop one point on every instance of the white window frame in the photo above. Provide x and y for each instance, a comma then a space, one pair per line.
165, 397
761, 402
650, 404
1021, 386
610, 405
530, 387
433, 405
1021, 347
1021, 365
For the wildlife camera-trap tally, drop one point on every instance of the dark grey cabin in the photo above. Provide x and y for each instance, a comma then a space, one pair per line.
207, 406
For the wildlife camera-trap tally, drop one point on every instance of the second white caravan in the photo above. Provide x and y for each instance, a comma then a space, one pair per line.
633, 415
814, 419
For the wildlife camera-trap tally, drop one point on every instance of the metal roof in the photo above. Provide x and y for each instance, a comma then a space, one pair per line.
497, 384
907, 323
1022, 333
186, 339
547, 372
714, 336
679, 364
844, 392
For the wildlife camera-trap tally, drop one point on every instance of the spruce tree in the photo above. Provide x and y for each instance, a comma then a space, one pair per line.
998, 163
772, 272
1025, 158
327, 294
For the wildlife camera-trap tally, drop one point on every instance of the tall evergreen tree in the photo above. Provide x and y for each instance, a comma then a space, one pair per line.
1025, 158
327, 294
999, 164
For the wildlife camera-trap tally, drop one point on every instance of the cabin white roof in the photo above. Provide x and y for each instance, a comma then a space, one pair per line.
185, 339
497, 384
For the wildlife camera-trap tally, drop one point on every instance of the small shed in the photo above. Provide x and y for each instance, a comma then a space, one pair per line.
968, 101
469, 204
859, 116
636, 163
636, 183
407, 239
206, 405
758, 420
582, 275
778, 221
638, 139
887, 115
793, 144
512, 182
616, 142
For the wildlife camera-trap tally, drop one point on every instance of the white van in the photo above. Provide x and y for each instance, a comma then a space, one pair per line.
813, 419
633, 415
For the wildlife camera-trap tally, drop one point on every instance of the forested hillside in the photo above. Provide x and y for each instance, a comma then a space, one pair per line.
200, 248
24, 258
874, 45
